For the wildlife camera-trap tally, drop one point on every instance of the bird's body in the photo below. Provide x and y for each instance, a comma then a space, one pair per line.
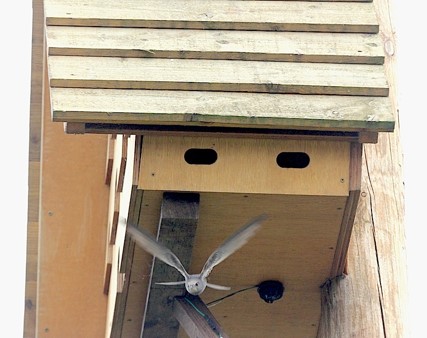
195, 284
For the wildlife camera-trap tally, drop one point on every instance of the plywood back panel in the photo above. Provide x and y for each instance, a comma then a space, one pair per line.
244, 166
295, 245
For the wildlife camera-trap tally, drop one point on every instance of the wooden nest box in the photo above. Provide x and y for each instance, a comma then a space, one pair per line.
230, 109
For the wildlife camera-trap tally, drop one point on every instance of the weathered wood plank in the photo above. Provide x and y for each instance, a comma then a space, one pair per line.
217, 75
371, 300
222, 109
179, 215
196, 319
222, 14
34, 174
208, 44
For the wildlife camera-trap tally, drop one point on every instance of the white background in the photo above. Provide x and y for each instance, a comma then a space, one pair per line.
15, 57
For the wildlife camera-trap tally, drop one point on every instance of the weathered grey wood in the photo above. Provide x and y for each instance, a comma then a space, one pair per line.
177, 228
217, 75
371, 300
196, 319
213, 44
222, 14
339, 113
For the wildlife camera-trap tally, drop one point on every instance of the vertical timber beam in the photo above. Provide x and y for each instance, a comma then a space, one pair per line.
34, 173
370, 301
177, 227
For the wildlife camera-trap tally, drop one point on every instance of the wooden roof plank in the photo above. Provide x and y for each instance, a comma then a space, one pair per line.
209, 44
217, 75
222, 109
220, 14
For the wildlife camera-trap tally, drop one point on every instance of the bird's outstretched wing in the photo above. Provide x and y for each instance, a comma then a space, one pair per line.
232, 244
149, 244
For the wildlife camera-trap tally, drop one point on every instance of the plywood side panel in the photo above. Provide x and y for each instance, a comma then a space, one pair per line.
210, 44
74, 201
222, 109
214, 75
244, 15
244, 166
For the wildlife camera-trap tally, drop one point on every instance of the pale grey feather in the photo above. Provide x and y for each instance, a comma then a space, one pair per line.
196, 283
149, 243
232, 244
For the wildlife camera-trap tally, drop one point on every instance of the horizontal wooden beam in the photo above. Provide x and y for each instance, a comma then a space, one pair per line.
138, 129
222, 14
209, 44
217, 75
339, 113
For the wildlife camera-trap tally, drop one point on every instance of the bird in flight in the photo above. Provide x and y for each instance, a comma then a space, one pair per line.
195, 284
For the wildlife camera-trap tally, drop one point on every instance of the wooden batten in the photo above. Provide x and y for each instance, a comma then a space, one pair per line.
221, 109
218, 75
215, 44
192, 14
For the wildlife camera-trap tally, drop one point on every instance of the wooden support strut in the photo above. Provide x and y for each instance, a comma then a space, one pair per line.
179, 215
196, 319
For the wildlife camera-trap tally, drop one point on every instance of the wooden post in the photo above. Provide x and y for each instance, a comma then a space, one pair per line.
178, 221
196, 319
370, 300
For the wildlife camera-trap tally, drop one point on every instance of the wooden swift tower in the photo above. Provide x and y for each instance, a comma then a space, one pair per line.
187, 118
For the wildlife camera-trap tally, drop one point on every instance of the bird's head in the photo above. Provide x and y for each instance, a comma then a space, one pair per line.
195, 285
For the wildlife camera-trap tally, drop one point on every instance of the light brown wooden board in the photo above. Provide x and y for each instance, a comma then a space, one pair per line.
212, 44
73, 234
245, 166
295, 245
348, 113
244, 15
217, 75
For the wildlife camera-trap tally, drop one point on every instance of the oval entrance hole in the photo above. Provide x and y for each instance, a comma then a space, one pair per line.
296, 160
198, 156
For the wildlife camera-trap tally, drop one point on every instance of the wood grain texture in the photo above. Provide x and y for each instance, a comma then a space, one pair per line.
196, 319
371, 301
179, 215
245, 166
213, 44
316, 112
73, 214
119, 210
193, 14
217, 75
34, 158
295, 245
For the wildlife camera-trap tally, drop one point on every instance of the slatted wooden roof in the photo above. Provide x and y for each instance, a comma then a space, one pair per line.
310, 65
